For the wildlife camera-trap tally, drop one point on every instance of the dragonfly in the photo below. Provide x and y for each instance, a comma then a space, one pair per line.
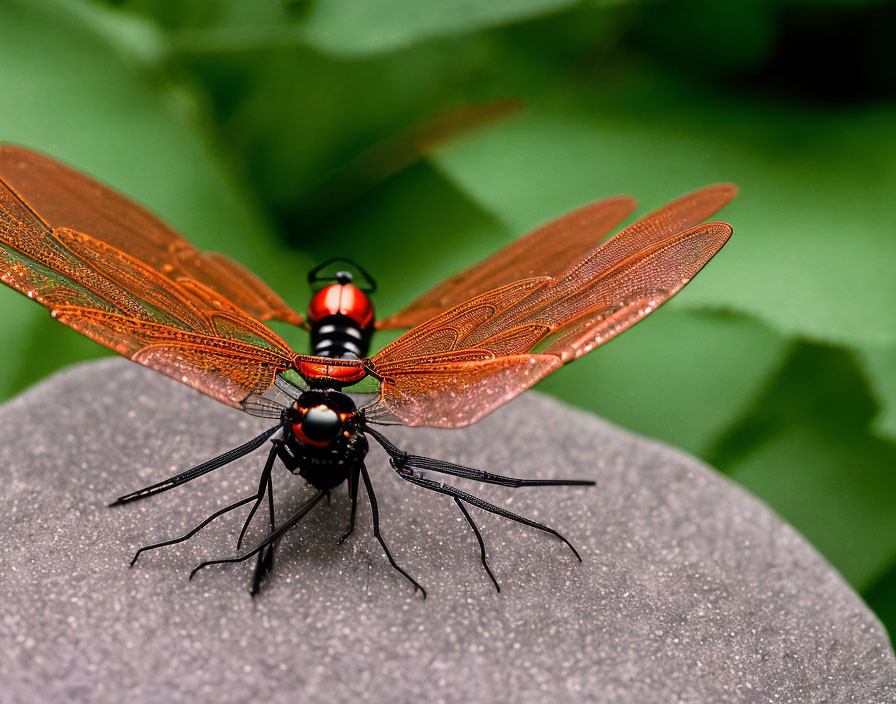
111, 270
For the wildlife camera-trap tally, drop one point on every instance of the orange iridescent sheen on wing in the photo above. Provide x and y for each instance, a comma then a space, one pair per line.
502, 340
65, 198
109, 269
179, 326
546, 251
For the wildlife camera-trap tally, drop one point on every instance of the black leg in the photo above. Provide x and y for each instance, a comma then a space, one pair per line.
263, 565
353, 494
197, 471
401, 460
469, 518
263, 483
376, 529
265, 561
484, 505
287, 525
195, 530
271, 522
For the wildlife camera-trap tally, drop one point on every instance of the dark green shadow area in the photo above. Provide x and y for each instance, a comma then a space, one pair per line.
806, 450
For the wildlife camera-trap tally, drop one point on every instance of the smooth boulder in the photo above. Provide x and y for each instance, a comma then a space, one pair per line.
690, 590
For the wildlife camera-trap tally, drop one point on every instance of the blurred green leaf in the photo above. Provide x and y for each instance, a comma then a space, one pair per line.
19, 317
69, 94
134, 38
684, 377
813, 244
838, 490
304, 121
805, 450
344, 28
819, 385
684, 33
299, 118
880, 365
880, 597
366, 26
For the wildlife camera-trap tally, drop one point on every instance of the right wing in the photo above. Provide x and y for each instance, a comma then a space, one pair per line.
555, 247
546, 251
468, 360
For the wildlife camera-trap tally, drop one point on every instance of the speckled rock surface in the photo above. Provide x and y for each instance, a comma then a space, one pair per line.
690, 590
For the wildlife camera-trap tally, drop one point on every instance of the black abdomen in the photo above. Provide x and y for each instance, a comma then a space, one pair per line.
338, 336
325, 468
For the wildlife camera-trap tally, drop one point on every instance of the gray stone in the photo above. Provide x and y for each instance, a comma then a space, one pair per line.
690, 590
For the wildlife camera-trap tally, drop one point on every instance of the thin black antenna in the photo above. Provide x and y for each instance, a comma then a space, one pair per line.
342, 277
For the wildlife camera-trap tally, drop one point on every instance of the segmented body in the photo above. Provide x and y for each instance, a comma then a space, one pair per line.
327, 467
341, 318
322, 443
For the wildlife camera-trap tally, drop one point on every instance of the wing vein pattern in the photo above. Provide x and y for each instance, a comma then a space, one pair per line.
175, 324
112, 271
466, 361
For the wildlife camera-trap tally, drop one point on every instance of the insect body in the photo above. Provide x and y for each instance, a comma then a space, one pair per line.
109, 269
341, 317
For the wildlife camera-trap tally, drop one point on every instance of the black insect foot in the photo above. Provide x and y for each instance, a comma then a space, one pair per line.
574, 551
263, 565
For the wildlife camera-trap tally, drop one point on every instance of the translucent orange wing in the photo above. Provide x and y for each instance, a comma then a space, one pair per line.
456, 393
64, 197
546, 251
439, 373
182, 328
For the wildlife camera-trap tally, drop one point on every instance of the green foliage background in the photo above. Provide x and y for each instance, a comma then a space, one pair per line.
284, 133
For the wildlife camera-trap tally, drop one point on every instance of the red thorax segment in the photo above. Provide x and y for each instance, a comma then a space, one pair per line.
335, 373
341, 299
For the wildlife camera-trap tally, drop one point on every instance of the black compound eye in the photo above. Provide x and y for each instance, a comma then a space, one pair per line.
321, 423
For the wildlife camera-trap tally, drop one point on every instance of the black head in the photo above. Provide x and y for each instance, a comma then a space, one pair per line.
343, 271
319, 417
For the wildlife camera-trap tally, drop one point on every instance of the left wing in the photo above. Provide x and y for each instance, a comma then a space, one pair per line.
65, 198
182, 328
